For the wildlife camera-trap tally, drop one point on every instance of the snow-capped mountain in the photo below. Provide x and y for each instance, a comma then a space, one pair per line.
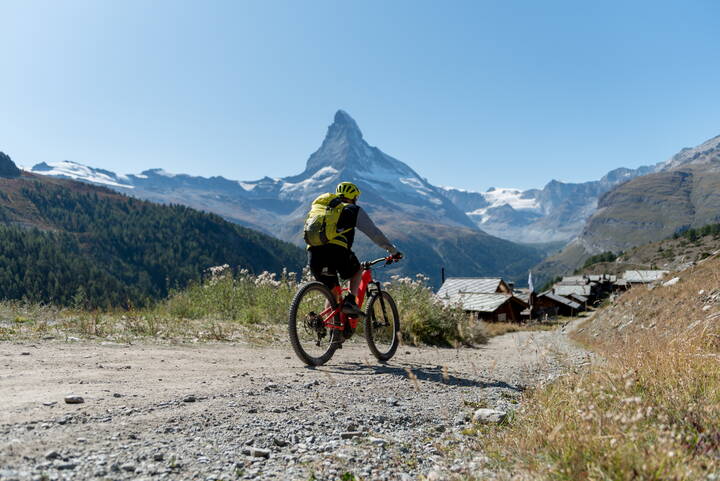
72, 170
416, 215
554, 213
345, 156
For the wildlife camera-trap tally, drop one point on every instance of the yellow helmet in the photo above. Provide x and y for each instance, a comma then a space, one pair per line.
347, 190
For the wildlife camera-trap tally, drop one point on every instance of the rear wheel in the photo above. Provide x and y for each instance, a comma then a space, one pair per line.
382, 326
310, 339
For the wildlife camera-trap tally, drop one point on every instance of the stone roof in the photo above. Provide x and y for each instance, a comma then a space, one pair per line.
565, 290
574, 280
482, 285
579, 297
644, 277
561, 300
480, 302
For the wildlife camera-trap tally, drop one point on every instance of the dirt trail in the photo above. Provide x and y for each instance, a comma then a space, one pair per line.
231, 411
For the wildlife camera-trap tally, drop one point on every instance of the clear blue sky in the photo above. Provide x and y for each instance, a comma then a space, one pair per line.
469, 93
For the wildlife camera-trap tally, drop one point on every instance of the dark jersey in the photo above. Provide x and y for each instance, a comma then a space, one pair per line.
348, 220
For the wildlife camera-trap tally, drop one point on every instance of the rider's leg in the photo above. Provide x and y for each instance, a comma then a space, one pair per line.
321, 261
350, 306
355, 282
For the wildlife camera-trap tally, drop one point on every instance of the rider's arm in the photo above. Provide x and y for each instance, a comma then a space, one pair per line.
368, 227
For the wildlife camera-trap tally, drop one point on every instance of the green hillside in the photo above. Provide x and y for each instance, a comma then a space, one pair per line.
65, 242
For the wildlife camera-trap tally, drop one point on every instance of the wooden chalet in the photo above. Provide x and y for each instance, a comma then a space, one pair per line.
551, 305
487, 298
582, 300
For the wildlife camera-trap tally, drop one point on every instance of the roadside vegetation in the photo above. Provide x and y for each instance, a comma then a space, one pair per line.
650, 409
229, 306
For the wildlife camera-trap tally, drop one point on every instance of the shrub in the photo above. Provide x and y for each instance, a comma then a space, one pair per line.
425, 319
243, 297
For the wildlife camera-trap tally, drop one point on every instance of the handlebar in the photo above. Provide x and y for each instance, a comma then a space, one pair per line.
387, 260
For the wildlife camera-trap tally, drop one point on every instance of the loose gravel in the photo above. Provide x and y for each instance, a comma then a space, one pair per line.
222, 412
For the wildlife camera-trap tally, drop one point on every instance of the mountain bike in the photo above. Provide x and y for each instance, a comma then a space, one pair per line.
317, 326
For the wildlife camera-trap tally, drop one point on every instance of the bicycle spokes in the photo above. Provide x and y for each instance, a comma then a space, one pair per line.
312, 310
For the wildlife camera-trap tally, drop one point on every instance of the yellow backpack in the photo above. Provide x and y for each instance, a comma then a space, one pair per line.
321, 223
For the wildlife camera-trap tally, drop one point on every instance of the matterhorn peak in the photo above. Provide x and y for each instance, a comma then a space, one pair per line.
342, 117
343, 145
344, 126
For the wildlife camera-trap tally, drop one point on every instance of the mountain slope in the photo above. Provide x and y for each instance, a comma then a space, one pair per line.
683, 193
62, 237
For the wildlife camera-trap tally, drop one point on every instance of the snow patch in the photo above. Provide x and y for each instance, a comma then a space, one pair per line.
73, 170
420, 188
319, 178
497, 197
247, 186
512, 197
163, 172
457, 189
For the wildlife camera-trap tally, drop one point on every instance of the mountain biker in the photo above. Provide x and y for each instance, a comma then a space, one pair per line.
336, 257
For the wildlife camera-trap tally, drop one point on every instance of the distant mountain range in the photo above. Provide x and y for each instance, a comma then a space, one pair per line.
466, 232
555, 213
682, 192
417, 215
464, 223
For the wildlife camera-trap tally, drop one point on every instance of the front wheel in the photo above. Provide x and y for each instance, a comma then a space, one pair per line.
310, 338
382, 326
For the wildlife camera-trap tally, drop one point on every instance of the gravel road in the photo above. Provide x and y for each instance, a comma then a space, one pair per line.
229, 411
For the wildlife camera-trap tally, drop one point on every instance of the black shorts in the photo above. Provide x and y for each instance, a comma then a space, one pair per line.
327, 261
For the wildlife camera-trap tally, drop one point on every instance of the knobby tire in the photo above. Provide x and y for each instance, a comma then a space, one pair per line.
295, 324
391, 316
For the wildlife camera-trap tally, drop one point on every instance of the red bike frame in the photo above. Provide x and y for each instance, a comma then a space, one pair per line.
365, 280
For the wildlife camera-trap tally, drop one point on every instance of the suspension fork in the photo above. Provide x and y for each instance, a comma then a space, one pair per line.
378, 293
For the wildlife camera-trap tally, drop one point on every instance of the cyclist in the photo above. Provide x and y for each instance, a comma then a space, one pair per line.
336, 257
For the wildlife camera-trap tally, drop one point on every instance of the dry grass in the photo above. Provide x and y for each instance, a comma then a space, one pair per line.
493, 329
650, 410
